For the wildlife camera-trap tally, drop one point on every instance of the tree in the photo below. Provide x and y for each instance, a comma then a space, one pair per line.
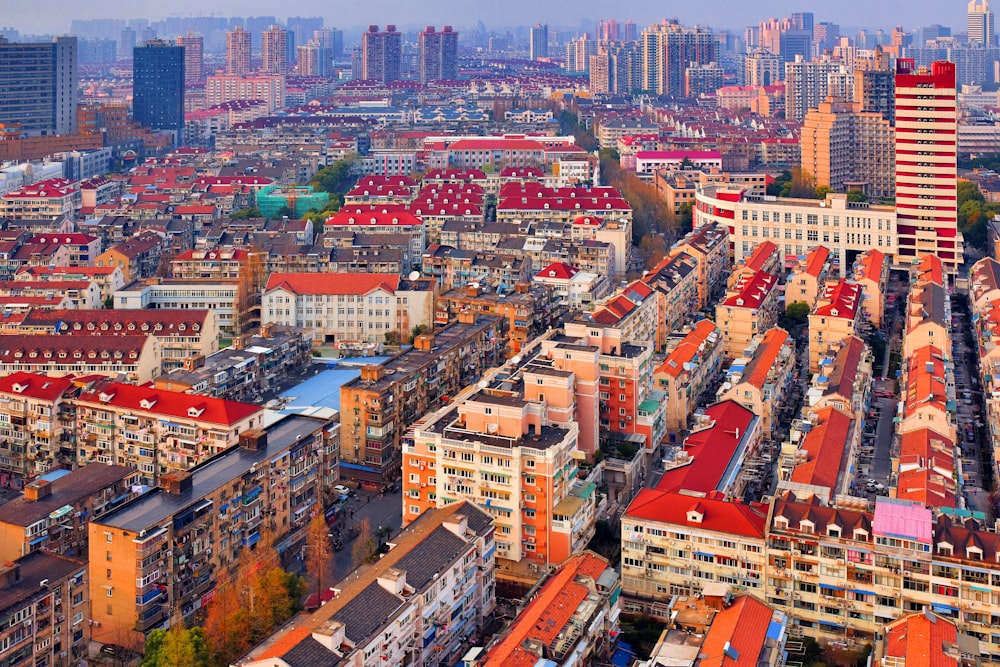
797, 312
420, 330
245, 214
336, 177
177, 647
319, 551
856, 196
775, 189
365, 547
821, 191
283, 212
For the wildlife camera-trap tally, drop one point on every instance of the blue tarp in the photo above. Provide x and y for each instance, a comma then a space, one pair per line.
321, 390
355, 466
624, 656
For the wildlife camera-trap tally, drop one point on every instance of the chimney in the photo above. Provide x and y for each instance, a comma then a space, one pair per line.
253, 439
38, 490
175, 483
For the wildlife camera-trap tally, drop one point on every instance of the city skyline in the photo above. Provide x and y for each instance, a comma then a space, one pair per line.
713, 13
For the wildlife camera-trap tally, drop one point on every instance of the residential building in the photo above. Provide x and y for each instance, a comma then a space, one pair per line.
53, 198
694, 358
529, 309
155, 430
929, 389
74, 294
52, 512
438, 54
138, 257
194, 57
675, 283
926, 469
807, 278
926, 199
108, 278
45, 601
162, 553
749, 308
930, 637
39, 84
238, 48
928, 318
538, 42
668, 49
274, 50
766, 257
343, 307
721, 453
137, 357
227, 298
835, 317
821, 460
430, 593
759, 379
575, 289
871, 272
980, 23
37, 420
158, 87
843, 379
846, 148
376, 222
267, 88
808, 83
513, 452
381, 54
796, 225
573, 619
378, 407
709, 245
677, 543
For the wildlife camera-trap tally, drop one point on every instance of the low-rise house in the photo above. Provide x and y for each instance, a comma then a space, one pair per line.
751, 306
691, 364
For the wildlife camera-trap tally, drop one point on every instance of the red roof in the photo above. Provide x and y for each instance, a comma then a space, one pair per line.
62, 239
686, 350
497, 144
35, 386
816, 260
922, 639
765, 357
717, 512
333, 283
678, 155
194, 209
400, 218
125, 322
559, 271
170, 403
844, 300
751, 291
825, 445
737, 635
761, 256
710, 450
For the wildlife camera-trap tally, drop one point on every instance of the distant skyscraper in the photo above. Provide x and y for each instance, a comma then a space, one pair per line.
194, 57
578, 52
825, 34
609, 31
926, 162
630, 31
668, 49
126, 42
980, 23
332, 39
382, 54
875, 88
38, 86
275, 50
802, 21
538, 47
438, 54
312, 59
807, 83
158, 86
238, 46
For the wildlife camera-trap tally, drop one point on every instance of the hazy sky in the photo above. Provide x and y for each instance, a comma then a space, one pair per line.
55, 15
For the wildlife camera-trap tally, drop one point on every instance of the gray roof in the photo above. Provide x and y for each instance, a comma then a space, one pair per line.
368, 612
67, 490
428, 558
310, 653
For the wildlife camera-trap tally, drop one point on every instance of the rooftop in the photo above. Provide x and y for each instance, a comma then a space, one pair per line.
67, 490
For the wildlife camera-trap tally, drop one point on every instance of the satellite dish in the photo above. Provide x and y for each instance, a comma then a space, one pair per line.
414, 275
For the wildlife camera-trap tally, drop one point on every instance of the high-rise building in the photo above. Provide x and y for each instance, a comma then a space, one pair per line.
126, 42
762, 68
274, 44
194, 57
238, 45
382, 54
578, 52
538, 46
438, 54
875, 88
847, 148
158, 86
609, 31
311, 59
825, 34
926, 162
807, 83
332, 40
38, 86
630, 31
616, 68
980, 23
702, 79
668, 48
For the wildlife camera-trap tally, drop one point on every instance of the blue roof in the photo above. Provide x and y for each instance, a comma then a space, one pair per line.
53, 475
321, 390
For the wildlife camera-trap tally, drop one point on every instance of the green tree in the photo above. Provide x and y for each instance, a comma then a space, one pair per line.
857, 196
821, 191
969, 191
177, 647
797, 312
420, 330
284, 212
336, 177
775, 189
245, 214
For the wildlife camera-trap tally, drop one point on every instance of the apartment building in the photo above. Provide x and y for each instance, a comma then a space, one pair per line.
928, 317
210, 263
750, 307
927, 469
136, 357
79, 294
138, 257
529, 309
930, 387
44, 605
36, 426
180, 333
796, 225
928, 638
675, 284
108, 278
721, 453
378, 407
871, 272
51, 199
377, 222
573, 288
984, 301
345, 307
677, 543
514, 452
452, 268
807, 279
573, 620
421, 601
694, 357
843, 379
760, 377
159, 556
766, 257
53, 511
225, 297
709, 245
836, 316
157, 431
820, 461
